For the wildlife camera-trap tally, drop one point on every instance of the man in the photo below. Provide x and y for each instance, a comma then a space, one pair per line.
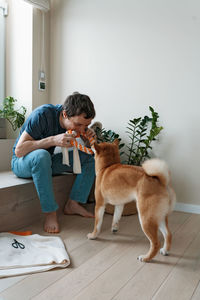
33, 154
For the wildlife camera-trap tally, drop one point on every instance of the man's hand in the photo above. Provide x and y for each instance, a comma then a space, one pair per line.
64, 139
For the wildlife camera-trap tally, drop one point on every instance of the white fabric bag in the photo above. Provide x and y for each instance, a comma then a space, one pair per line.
21, 255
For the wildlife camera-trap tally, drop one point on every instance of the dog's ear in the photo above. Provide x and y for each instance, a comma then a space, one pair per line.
96, 147
116, 142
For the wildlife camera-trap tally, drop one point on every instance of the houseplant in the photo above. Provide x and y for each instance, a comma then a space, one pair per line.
15, 117
142, 132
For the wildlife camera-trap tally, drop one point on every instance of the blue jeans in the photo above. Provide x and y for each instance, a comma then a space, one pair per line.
40, 165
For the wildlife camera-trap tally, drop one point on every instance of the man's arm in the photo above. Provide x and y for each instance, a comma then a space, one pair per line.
27, 144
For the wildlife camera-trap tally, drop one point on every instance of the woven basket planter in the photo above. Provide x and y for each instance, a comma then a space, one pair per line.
129, 209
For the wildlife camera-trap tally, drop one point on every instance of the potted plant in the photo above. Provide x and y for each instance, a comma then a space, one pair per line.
16, 118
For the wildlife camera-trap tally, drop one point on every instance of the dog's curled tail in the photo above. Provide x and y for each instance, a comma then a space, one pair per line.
158, 168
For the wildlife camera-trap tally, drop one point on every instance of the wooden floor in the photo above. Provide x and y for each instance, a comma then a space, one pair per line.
108, 267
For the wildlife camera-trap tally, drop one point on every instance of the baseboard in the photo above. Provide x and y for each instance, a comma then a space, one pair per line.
188, 208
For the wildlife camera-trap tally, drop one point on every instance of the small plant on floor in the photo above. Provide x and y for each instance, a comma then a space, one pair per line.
142, 132
15, 117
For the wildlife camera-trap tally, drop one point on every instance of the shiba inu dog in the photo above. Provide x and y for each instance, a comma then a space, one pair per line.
148, 185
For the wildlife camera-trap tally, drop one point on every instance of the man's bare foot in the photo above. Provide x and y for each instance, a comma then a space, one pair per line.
51, 222
74, 208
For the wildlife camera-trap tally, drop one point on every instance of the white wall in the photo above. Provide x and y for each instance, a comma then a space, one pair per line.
23, 62
40, 60
3, 6
127, 55
23, 55
19, 55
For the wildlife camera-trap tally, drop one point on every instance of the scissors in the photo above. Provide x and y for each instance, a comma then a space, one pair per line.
16, 244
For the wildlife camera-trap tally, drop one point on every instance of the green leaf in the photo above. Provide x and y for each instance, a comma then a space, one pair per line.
141, 133
15, 117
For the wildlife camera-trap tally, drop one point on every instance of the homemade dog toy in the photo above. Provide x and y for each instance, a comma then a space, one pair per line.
77, 146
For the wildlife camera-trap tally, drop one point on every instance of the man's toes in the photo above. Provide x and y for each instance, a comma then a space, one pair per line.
51, 229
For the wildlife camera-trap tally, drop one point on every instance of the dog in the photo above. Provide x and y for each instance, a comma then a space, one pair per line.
149, 185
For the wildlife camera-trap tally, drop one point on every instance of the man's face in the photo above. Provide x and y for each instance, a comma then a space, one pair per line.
77, 123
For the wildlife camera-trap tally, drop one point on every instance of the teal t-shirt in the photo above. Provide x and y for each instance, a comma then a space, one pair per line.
43, 122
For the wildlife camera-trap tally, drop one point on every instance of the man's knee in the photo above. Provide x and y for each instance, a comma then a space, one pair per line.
42, 158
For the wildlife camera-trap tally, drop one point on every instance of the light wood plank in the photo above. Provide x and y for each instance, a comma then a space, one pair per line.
196, 295
184, 278
80, 277
125, 234
106, 238
116, 276
178, 218
154, 274
84, 253
5, 283
119, 274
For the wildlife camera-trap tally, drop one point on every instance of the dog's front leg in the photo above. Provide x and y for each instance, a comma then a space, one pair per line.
99, 212
116, 218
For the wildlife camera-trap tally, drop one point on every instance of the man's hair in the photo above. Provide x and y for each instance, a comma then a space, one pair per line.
77, 104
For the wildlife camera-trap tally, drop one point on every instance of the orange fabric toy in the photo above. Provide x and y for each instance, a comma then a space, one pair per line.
77, 146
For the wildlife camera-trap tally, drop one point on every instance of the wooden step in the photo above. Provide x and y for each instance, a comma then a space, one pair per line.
19, 203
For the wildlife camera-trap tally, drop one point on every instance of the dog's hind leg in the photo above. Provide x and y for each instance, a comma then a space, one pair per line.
116, 217
167, 236
99, 212
150, 229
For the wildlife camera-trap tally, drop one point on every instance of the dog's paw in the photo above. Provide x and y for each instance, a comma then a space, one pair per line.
91, 236
143, 258
114, 228
140, 258
164, 252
